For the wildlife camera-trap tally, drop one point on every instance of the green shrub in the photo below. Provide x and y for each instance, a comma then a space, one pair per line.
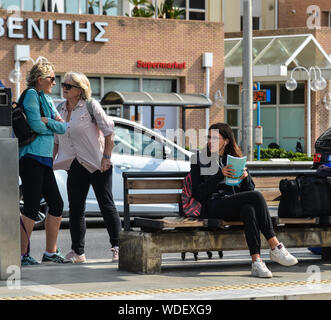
267, 154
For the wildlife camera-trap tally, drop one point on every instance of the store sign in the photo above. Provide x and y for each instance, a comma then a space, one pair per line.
160, 65
17, 29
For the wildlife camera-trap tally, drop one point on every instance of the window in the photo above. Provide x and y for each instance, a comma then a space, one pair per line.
255, 23
10, 4
232, 114
159, 85
95, 87
292, 97
134, 142
282, 118
32, 5
121, 84
195, 9
232, 94
109, 7
123, 140
74, 6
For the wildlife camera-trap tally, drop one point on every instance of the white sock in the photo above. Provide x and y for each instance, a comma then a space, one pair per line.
49, 254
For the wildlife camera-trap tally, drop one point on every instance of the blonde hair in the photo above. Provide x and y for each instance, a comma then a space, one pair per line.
80, 80
42, 68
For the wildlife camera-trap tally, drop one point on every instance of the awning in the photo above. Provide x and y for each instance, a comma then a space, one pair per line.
155, 99
275, 56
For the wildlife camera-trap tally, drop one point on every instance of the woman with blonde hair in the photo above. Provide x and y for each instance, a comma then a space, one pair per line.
84, 151
36, 163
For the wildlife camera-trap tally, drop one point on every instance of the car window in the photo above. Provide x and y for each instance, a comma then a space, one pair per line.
176, 153
124, 144
133, 141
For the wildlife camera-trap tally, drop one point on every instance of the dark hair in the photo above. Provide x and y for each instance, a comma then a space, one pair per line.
226, 132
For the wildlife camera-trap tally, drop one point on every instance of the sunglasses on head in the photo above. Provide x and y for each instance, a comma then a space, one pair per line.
68, 86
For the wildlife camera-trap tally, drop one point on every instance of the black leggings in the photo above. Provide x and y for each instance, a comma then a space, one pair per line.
249, 207
39, 181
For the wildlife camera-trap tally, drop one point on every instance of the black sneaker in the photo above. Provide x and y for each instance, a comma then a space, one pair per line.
27, 260
55, 258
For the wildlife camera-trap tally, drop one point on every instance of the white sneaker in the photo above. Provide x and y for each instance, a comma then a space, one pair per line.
260, 270
282, 256
115, 251
75, 258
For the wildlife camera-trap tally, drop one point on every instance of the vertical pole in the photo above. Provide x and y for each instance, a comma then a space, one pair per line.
152, 117
308, 117
126, 208
18, 83
258, 116
101, 7
247, 81
156, 9
207, 95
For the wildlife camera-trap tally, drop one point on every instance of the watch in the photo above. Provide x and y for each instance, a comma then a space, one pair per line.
106, 156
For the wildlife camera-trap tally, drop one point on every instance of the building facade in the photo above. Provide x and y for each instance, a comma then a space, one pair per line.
120, 54
300, 13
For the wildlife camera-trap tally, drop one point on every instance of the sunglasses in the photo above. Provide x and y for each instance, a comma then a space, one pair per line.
51, 78
68, 86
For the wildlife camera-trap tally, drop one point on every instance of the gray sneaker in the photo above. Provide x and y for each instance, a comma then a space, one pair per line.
260, 270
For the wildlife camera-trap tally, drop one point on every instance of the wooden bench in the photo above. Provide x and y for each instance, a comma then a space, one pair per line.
147, 235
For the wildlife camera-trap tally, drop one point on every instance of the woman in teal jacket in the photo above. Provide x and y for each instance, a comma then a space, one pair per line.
36, 163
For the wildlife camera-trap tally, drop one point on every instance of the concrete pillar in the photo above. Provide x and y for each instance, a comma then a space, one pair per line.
10, 248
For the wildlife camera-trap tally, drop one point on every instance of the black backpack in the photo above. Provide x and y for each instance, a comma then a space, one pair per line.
21, 128
306, 196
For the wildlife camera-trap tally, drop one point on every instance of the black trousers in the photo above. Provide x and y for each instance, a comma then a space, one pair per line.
39, 181
78, 184
249, 207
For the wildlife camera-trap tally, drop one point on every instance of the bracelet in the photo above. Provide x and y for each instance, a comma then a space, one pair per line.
106, 156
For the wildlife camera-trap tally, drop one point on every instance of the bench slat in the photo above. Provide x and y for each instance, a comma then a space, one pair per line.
269, 182
270, 194
155, 184
168, 223
297, 220
154, 198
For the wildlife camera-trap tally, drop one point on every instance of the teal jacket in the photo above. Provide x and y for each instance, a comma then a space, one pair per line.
44, 143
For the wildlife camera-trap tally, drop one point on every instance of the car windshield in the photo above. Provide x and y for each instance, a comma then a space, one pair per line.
135, 141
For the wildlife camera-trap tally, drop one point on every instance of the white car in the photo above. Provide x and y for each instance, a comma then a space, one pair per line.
137, 148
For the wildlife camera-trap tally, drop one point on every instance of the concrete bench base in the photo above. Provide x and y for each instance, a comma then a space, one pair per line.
141, 252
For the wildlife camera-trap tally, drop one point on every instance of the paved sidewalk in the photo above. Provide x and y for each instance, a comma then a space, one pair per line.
227, 278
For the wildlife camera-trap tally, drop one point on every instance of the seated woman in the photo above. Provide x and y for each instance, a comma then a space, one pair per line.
230, 203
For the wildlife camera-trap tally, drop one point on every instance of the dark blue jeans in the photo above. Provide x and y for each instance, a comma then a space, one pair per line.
78, 184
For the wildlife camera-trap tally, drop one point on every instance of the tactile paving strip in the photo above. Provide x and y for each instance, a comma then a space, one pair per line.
74, 296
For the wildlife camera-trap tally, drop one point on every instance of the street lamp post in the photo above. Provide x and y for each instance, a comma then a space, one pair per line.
315, 84
247, 57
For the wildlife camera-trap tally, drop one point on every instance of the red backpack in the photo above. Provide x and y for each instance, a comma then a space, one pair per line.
190, 206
